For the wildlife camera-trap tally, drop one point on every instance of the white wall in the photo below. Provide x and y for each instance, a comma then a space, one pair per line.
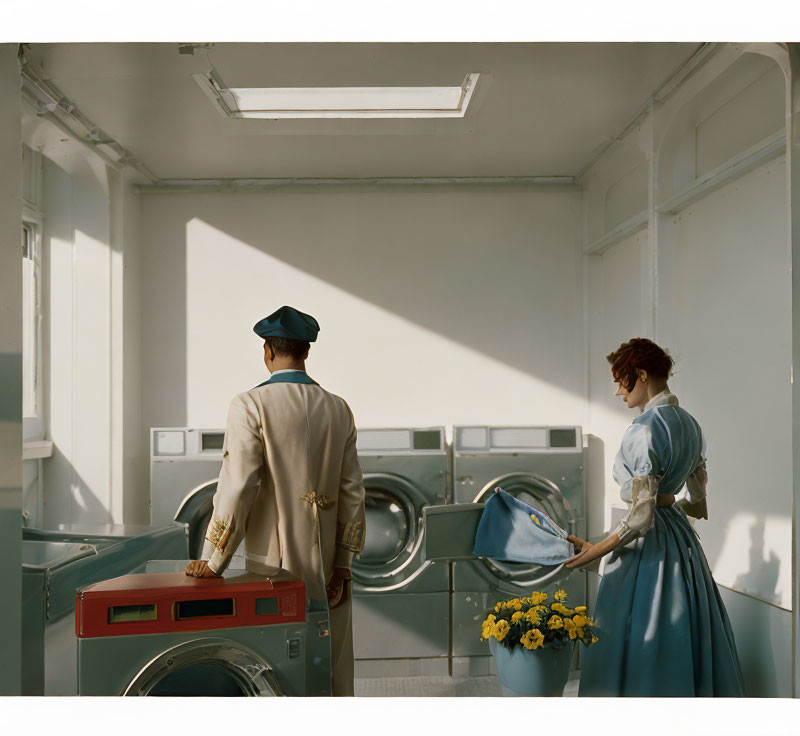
707, 277
90, 343
728, 323
614, 316
437, 306
76, 335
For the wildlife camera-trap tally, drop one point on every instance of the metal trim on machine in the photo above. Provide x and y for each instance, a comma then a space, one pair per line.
189, 496
250, 671
405, 492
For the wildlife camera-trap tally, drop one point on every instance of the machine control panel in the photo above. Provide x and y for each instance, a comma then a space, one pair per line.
171, 443
406, 441
170, 602
517, 439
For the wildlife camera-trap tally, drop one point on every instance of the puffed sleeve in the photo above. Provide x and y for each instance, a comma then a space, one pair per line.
239, 480
350, 528
640, 459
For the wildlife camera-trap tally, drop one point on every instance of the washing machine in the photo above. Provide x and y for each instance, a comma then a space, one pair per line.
401, 602
55, 563
542, 466
181, 459
166, 634
184, 468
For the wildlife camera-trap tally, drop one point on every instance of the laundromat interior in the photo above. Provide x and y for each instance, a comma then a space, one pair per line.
471, 264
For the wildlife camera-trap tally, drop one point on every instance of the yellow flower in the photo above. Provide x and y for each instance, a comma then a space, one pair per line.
594, 638
555, 622
532, 616
499, 606
487, 627
516, 616
562, 609
514, 603
500, 630
537, 597
580, 620
560, 595
571, 629
580, 609
532, 639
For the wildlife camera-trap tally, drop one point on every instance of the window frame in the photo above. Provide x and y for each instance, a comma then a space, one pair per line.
33, 424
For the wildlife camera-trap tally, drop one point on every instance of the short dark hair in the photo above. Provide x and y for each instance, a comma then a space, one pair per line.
638, 354
291, 348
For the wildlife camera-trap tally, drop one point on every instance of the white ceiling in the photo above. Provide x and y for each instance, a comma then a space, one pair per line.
541, 109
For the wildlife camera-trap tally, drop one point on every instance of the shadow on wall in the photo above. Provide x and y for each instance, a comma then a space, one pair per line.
595, 485
76, 339
762, 574
755, 657
67, 497
496, 271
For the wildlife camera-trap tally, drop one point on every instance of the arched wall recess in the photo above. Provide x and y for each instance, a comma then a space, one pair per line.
703, 270
738, 112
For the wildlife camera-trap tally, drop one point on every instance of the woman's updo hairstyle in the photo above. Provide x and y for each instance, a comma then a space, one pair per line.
638, 354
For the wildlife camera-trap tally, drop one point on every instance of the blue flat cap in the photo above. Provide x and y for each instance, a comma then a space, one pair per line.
290, 323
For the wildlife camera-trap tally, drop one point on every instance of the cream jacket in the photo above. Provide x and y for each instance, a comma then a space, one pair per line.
290, 484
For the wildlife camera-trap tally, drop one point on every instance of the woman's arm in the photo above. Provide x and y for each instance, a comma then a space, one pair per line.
636, 524
589, 552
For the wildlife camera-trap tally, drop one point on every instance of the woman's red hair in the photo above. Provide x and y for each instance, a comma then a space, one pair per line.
638, 354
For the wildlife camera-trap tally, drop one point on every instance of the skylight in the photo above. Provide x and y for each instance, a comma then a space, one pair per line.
337, 102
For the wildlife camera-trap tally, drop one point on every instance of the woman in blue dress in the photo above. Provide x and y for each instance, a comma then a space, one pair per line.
662, 626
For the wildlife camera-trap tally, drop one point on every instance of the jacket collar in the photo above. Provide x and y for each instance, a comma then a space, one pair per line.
665, 398
289, 376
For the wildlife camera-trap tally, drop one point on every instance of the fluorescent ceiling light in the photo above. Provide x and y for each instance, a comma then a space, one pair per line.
337, 102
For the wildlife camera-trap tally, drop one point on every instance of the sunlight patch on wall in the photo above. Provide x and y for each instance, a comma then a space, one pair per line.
391, 371
753, 558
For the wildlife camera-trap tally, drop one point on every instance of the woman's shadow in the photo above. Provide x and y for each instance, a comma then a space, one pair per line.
761, 580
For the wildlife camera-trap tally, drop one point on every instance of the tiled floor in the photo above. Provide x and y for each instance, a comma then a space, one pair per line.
441, 687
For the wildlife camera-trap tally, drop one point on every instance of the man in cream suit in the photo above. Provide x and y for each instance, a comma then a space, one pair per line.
290, 484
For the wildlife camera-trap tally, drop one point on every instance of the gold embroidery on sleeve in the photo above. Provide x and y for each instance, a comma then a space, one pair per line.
218, 533
352, 536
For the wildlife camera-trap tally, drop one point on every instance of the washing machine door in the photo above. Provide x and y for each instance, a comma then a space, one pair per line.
211, 667
195, 510
544, 495
394, 533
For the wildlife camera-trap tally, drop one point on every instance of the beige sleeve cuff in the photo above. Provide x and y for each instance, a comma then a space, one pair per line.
697, 510
640, 517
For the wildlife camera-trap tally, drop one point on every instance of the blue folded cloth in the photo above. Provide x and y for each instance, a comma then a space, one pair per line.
512, 531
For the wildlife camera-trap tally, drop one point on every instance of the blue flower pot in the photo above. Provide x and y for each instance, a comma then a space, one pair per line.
542, 672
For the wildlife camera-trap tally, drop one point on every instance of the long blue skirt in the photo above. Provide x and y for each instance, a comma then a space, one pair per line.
662, 626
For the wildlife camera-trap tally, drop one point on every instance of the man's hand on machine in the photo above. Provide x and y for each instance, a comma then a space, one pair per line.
199, 569
335, 588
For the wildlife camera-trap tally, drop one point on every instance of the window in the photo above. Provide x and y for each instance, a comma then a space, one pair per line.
273, 103
31, 320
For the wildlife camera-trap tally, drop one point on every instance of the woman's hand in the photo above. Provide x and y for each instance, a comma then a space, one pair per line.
577, 542
590, 552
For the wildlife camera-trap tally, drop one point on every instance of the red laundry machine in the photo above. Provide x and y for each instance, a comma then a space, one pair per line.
171, 634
